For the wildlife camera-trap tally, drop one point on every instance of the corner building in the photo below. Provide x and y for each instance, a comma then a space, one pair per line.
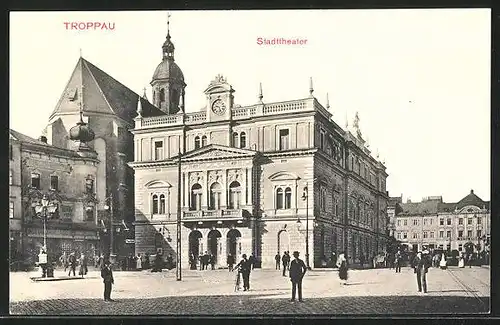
249, 173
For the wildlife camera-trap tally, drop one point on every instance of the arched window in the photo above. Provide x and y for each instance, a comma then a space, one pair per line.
215, 192
197, 142
235, 139
162, 95
203, 140
336, 202
288, 198
323, 199
243, 140
234, 195
35, 180
279, 198
162, 204
155, 204
196, 192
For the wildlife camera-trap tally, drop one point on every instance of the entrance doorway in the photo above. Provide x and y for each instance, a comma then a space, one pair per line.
194, 244
283, 242
232, 242
213, 247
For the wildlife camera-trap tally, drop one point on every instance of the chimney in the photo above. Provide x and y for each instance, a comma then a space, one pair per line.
471, 191
43, 139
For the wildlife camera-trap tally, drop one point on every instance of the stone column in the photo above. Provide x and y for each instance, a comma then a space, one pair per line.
205, 196
223, 255
224, 190
220, 257
185, 181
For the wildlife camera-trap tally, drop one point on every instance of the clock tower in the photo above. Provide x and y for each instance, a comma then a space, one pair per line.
219, 100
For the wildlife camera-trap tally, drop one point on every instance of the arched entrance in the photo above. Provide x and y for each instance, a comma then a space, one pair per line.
213, 243
194, 243
283, 242
232, 243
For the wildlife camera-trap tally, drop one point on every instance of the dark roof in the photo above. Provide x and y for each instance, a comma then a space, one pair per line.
393, 200
446, 207
471, 199
44, 147
99, 92
424, 207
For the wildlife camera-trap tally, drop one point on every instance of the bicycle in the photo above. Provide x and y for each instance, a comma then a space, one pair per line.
238, 281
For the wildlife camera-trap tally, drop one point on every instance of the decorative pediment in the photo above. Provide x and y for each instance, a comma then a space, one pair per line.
470, 209
157, 184
214, 151
283, 176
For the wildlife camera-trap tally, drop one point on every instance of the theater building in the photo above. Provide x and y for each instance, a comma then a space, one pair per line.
252, 176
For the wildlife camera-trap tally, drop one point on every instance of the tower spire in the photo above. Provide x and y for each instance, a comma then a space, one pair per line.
144, 93
311, 89
168, 24
260, 92
81, 104
168, 47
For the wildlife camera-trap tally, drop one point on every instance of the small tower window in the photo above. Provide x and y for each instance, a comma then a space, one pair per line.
162, 95
203, 140
89, 186
235, 139
243, 140
197, 142
54, 183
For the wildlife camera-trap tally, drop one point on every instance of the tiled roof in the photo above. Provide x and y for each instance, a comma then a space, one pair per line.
425, 207
44, 147
471, 199
446, 207
101, 93
435, 206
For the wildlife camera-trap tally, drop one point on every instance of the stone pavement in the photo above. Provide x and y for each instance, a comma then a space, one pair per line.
379, 291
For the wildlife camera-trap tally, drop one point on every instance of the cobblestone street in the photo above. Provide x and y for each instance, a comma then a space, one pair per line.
379, 291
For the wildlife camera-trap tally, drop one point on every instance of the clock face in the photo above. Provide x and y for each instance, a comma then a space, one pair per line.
218, 107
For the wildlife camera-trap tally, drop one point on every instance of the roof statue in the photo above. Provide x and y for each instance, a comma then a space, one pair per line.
327, 102
260, 92
139, 107
311, 89
144, 94
355, 125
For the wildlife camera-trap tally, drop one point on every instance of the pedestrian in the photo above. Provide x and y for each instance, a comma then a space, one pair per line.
277, 258
147, 261
285, 259
333, 259
297, 271
72, 264
211, 260
342, 265
83, 265
397, 262
64, 261
421, 267
170, 261
138, 260
206, 260
461, 261
251, 260
107, 275
230, 262
362, 261
244, 268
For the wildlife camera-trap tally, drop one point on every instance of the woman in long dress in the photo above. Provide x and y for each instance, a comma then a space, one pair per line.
461, 261
342, 265
138, 262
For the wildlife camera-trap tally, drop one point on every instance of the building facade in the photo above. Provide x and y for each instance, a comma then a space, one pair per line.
448, 226
251, 177
66, 178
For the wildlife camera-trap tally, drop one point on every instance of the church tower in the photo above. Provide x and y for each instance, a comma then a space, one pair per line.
168, 80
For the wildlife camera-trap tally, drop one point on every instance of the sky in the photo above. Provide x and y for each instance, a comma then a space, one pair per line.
419, 78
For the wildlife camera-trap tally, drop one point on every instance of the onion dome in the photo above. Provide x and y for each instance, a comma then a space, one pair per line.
81, 131
168, 69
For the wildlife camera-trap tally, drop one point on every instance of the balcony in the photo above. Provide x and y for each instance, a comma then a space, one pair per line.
214, 215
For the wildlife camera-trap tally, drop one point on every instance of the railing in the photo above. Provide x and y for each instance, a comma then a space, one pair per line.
213, 214
285, 107
161, 120
196, 117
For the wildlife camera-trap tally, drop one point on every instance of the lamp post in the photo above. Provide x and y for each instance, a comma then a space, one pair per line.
43, 209
305, 197
179, 211
109, 208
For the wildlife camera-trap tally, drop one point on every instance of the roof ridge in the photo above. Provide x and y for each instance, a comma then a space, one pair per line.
97, 83
65, 89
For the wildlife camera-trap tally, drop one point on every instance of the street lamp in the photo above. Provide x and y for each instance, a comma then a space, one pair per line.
43, 210
109, 208
305, 197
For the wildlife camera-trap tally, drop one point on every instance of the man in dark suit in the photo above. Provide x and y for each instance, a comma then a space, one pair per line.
244, 268
107, 275
285, 260
297, 271
421, 265
277, 258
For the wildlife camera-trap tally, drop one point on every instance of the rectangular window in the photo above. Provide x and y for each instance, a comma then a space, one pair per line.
460, 233
352, 163
479, 234
89, 186
415, 235
405, 222
158, 150
399, 222
11, 181
425, 234
448, 221
441, 234
425, 222
441, 222
448, 234
398, 235
415, 222
469, 221
321, 139
460, 221
432, 234
479, 220
54, 183
469, 234
11, 209
460, 247
35, 180
405, 235
284, 138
